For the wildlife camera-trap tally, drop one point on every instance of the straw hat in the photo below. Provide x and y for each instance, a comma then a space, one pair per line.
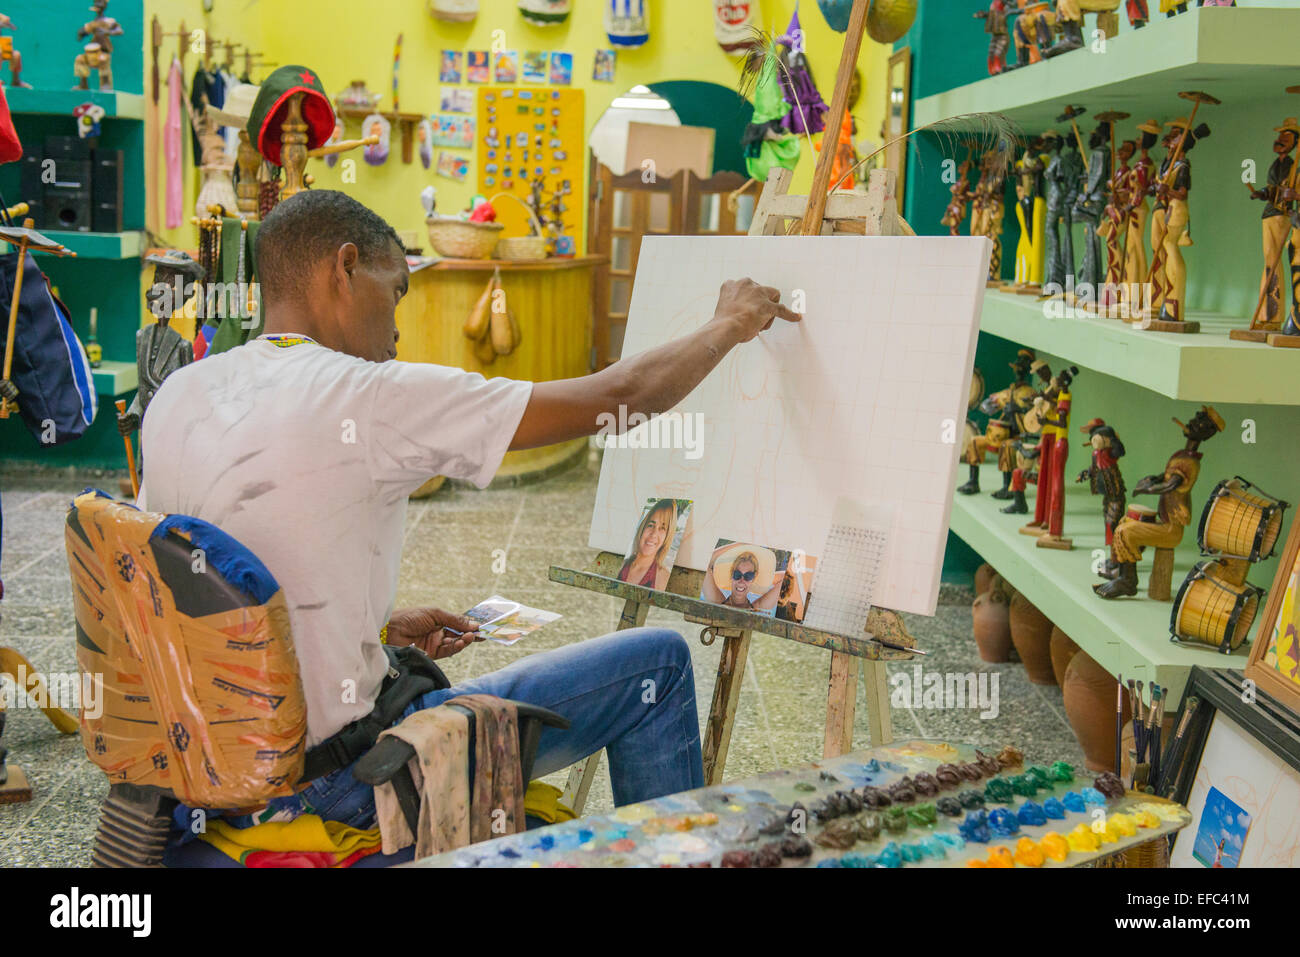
238, 105
763, 574
1289, 125
1180, 123
1150, 126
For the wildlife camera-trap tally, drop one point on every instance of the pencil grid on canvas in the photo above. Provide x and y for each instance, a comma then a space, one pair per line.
847, 577
859, 399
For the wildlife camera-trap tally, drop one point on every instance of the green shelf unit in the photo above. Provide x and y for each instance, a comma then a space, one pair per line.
113, 380
116, 104
1202, 367
1238, 54
124, 245
1128, 636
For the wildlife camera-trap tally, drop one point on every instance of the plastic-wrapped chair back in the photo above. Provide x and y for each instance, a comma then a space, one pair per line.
189, 634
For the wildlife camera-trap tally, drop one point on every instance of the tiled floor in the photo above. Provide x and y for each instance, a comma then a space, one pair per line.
450, 540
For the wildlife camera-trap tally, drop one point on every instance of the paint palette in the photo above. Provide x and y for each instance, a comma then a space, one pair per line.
876, 808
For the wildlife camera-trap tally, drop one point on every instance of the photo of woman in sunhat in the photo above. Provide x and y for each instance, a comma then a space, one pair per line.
741, 575
658, 536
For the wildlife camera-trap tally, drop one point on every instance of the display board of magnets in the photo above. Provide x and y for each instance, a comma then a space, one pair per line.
530, 131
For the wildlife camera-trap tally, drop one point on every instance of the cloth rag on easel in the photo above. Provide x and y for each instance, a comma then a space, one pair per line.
454, 811
765, 140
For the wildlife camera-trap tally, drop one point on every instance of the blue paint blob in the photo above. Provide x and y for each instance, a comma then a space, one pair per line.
830, 862
585, 835
1054, 809
1032, 814
544, 843
950, 840
509, 852
1093, 796
933, 847
976, 827
911, 853
857, 860
891, 856
1003, 821
1073, 801
872, 766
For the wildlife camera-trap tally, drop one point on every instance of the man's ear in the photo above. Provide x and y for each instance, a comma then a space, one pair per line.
345, 263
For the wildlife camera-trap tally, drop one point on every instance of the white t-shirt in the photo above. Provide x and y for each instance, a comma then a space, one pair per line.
306, 456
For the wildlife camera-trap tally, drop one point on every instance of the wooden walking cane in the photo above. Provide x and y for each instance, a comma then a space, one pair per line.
25, 238
130, 452
1072, 113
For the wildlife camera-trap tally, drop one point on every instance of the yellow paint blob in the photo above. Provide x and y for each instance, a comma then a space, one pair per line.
1001, 857
1083, 840
977, 862
1028, 853
1166, 812
1054, 846
1124, 825
1145, 819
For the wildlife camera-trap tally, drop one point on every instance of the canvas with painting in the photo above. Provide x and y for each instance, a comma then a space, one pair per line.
659, 533
746, 576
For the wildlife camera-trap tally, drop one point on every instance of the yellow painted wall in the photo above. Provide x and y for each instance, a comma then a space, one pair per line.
345, 40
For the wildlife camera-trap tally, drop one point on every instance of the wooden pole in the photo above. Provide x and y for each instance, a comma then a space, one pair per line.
812, 217
5, 405
130, 452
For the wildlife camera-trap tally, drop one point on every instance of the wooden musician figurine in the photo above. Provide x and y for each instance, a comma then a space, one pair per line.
1111, 229
1281, 255
1103, 475
8, 54
1069, 20
1171, 222
989, 192
1051, 480
1173, 513
995, 25
961, 195
996, 438
1136, 213
26, 238
1090, 206
1031, 214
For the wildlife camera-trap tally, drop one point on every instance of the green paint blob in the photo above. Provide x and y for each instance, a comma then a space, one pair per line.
1026, 785
1062, 771
895, 819
1041, 775
922, 814
998, 791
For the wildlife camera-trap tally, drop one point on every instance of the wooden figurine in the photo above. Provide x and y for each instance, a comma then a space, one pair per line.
1164, 529
1051, 480
92, 58
1069, 19
1171, 223
995, 25
1103, 475
10, 55
1111, 229
1037, 422
961, 196
1006, 411
1024, 474
1062, 176
1088, 209
995, 439
26, 239
1032, 31
1141, 176
98, 54
1031, 213
1281, 255
990, 201
159, 349
1172, 8
1138, 13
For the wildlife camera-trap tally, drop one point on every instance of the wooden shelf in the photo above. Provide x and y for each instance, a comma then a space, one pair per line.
1239, 55
1128, 636
113, 379
1201, 367
127, 245
116, 104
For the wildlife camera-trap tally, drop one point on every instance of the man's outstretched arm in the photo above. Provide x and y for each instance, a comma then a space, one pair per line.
653, 381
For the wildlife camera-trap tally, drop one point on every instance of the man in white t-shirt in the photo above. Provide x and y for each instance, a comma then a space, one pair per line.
305, 443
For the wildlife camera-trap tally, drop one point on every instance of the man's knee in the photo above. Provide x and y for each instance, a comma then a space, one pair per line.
660, 644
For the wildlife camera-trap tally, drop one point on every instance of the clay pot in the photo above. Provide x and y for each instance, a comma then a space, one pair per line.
1031, 633
983, 578
1089, 692
992, 626
1063, 649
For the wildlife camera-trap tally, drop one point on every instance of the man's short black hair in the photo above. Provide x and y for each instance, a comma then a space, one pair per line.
310, 226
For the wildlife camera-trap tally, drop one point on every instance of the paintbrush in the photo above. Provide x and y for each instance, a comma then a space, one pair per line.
1149, 733
1175, 746
1139, 724
1155, 740
1119, 726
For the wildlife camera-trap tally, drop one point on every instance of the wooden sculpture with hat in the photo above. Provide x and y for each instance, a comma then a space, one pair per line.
1006, 411
8, 54
1136, 212
1173, 512
1064, 173
1091, 204
1031, 214
1171, 222
1103, 475
1281, 255
1111, 228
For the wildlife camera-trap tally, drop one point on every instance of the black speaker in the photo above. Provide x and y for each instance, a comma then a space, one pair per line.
33, 190
67, 200
106, 191
67, 147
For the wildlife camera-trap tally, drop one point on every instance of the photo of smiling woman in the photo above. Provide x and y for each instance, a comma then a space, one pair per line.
745, 576
658, 536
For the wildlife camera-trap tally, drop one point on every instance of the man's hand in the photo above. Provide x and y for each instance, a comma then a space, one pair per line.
426, 628
127, 423
750, 308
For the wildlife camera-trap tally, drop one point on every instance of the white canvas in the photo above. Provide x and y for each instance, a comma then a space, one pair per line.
862, 399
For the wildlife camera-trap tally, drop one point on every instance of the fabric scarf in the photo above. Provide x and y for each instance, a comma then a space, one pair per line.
172, 147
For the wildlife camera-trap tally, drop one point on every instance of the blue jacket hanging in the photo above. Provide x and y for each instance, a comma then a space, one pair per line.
56, 393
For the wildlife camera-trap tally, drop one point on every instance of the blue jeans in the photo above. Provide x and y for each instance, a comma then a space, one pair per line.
630, 692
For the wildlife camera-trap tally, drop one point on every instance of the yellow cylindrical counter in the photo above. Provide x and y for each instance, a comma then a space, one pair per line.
552, 302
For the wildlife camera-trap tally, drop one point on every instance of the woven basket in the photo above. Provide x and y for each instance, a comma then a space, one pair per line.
460, 239
522, 248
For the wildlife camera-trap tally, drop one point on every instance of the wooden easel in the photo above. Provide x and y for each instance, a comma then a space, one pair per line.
874, 213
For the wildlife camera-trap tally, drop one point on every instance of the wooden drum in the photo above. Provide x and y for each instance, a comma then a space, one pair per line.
1240, 521
1210, 610
1141, 513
